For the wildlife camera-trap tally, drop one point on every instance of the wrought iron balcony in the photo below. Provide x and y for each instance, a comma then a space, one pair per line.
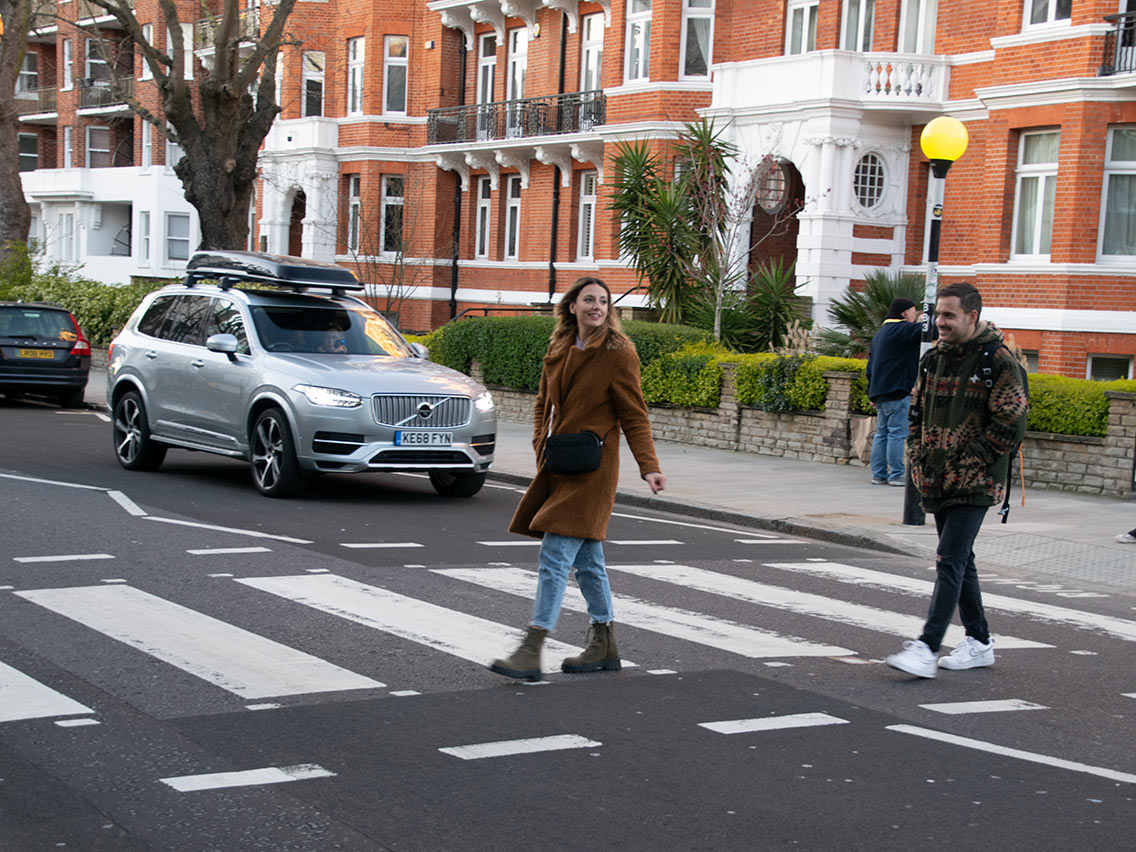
1120, 45
248, 29
576, 112
35, 101
100, 93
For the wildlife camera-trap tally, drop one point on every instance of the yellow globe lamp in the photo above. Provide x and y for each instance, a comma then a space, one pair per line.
943, 141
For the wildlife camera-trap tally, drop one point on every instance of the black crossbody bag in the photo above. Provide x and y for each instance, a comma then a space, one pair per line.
573, 452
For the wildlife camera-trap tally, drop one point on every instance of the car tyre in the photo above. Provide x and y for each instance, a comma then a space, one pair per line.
275, 469
133, 446
71, 399
456, 484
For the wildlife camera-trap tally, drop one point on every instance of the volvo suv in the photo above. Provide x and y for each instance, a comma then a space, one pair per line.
273, 360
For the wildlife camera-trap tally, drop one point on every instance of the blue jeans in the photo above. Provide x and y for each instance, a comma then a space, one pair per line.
558, 555
891, 437
956, 579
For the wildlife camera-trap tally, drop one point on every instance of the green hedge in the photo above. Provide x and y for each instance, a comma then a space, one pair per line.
1071, 406
796, 382
690, 377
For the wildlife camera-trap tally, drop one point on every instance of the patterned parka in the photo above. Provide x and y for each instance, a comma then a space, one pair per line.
961, 433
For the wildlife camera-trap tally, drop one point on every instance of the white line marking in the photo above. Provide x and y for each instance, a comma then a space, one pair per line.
126, 503
27, 698
510, 543
644, 541
113, 580
246, 778
224, 551
51, 482
1004, 751
77, 723
768, 541
220, 575
1118, 627
730, 636
68, 557
268, 706
803, 603
236, 660
773, 723
957, 708
97, 414
253, 533
678, 523
776, 665
507, 748
405, 693
6, 588
466, 636
661, 671
1129, 694
381, 544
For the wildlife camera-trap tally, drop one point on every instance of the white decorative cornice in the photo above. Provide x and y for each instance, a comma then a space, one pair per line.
516, 158
1051, 32
590, 152
557, 155
460, 19
523, 9
484, 160
454, 163
1115, 89
490, 13
571, 8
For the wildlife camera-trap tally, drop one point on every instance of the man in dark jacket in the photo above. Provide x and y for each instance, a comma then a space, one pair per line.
962, 435
892, 362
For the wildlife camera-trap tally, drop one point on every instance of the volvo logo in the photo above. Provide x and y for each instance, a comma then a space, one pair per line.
425, 409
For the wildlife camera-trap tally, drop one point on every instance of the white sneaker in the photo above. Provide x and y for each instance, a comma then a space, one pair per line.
969, 654
915, 658
1127, 538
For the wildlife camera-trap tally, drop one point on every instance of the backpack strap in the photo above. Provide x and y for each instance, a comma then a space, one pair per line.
986, 375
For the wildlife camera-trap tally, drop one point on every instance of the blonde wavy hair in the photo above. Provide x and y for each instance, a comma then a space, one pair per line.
568, 329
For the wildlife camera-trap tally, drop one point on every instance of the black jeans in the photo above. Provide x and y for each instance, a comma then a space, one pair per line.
956, 579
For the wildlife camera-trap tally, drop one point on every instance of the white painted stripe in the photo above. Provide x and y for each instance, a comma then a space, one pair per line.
507, 748
643, 541
768, 541
113, 580
226, 551
236, 660
253, 533
466, 636
1004, 751
381, 544
511, 543
803, 603
1118, 627
957, 708
773, 723
27, 698
405, 693
77, 723
51, 482
246, 778
1129, 694
268, 706
126, 503
718, 633
66, 557
679, 523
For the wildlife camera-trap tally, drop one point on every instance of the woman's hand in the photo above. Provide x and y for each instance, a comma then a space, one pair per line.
656, 480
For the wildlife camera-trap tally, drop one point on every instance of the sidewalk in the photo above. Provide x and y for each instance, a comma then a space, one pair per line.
1057, 537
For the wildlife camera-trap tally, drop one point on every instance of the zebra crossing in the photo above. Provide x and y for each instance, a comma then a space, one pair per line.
254, 667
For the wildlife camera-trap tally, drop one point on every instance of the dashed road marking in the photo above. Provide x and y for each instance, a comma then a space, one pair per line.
27, 698
253, 533
956, 708
227, 551
65, 557
772, 723
246, 778
379, 545
509, 748
126, 503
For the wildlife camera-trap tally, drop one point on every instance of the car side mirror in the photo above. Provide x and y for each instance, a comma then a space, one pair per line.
420, 351
226, 343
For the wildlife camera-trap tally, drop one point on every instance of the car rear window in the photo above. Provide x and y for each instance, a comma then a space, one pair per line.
42, 323
327, 329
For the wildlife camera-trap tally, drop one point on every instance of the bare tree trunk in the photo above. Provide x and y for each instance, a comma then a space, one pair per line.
15, 215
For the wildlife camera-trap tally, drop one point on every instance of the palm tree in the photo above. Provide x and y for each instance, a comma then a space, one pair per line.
862, 312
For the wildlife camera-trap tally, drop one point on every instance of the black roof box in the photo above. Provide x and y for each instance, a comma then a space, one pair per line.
282, 270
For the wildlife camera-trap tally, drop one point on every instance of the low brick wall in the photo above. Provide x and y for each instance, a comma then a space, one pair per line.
1052, 462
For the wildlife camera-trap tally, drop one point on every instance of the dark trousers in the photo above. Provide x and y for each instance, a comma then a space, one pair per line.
956, 579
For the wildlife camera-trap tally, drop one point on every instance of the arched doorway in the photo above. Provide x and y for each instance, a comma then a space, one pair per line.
780, 197
296, 224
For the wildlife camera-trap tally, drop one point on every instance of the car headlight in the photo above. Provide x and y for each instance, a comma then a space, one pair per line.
484, 402
333, 397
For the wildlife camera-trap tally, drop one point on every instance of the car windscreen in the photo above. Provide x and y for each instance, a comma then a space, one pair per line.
328, 329
39, 323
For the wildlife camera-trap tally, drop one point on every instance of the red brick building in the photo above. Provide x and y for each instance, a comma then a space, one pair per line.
487, 125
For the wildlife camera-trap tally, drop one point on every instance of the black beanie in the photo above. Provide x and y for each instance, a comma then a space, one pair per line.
898, 306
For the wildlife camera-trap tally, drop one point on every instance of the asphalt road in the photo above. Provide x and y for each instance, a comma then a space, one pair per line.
185, 665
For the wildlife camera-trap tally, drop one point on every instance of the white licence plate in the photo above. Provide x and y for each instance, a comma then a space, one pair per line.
423, 439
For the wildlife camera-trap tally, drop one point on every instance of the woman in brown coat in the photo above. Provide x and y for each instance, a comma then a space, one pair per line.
590, 381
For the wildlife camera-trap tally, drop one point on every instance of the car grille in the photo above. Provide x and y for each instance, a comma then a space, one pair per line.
403, 411
336, 443
420, 457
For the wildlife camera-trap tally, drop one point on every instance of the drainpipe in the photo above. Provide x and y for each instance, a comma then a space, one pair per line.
556, 169
457, 200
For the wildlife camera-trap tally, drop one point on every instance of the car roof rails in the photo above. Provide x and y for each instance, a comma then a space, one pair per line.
297, 273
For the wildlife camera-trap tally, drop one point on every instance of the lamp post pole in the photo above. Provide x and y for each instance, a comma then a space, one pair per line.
943, 141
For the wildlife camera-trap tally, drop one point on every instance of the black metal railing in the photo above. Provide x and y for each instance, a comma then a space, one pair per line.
1120, 45
102, 93
248, 28
33, 101
576, 112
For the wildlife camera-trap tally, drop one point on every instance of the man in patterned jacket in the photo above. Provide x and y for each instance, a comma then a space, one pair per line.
961, 437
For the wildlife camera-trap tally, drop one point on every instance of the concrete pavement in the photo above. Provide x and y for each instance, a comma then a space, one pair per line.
1062, 538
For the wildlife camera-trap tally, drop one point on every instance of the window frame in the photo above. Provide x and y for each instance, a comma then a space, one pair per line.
172, 147
91, 58
1111, 357
28, 78
512, 217
1051, 19
586, 225
637, 72
145, 223
864, 25
699, 13
68, 244
167, 239
386, 201
354, 211
1045, 172
306, 76
148, 34
924, 39
810, 9
23, 155
390, 62
68, 146
88, 147
1124, 167
356, 60
68, 64
881, 167
591, 49
147, 145
483, 218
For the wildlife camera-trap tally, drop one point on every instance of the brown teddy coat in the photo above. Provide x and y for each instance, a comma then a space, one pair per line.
597, 389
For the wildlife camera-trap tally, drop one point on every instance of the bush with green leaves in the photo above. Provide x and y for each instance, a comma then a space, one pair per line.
796, 382
1066, 406
690, 377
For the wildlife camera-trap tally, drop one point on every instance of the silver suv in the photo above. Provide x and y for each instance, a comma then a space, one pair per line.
297, 377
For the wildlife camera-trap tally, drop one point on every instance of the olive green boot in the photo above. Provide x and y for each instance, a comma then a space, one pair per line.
525, 661
600, 653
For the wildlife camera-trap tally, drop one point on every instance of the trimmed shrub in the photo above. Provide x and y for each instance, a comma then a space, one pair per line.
691, 377
1068, 406
796, 382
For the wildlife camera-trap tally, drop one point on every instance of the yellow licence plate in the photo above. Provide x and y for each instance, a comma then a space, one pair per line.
48, 354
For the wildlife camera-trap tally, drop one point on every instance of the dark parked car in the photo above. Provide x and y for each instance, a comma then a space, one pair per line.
42, 352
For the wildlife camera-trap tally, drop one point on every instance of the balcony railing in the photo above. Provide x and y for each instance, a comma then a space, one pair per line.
1120, 45
100, 93
248, 29
33, 101
896, 79
576, 112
